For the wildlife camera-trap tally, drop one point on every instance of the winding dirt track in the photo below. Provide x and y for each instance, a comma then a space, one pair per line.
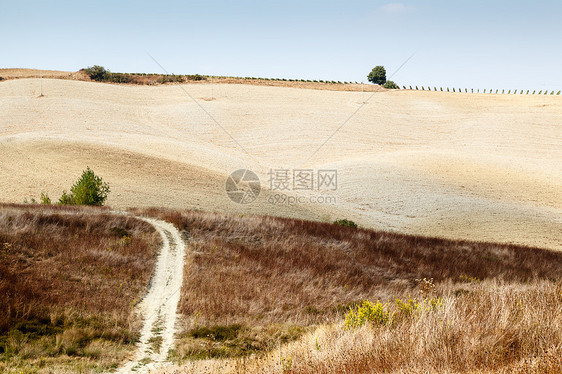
159, 307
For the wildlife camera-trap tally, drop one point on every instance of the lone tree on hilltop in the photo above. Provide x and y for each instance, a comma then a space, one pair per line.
377, 75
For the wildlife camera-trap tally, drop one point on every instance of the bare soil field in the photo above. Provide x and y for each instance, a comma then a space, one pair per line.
461, 166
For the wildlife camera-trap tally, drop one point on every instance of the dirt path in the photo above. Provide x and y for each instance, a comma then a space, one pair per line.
159, 307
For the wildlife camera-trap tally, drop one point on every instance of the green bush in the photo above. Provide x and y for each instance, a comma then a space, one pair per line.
66, 199
406, 308
196, 77
97, 73
367, 312
88, 190
45, 199
391, 85
171, 79
377, 75
120, 78
345, 223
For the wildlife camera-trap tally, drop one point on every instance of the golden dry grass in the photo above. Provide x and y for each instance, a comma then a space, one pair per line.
254, 284
493, 327
69, 281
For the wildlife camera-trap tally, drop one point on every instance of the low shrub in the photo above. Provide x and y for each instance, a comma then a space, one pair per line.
195, 77
97, 73
171, 79
45, 199
120, 78
368, 312
391, 85
346, 223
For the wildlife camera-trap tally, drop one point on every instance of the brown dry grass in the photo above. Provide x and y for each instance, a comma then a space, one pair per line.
35, 73
263, 281
69, 281
492, 327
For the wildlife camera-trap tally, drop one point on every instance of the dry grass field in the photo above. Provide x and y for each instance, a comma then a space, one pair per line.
460, 166
267, 294
270, 294
70, 279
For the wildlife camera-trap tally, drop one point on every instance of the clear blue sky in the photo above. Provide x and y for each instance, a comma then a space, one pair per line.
468, 43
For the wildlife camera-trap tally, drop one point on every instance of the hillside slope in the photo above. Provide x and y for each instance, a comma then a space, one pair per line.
466, 166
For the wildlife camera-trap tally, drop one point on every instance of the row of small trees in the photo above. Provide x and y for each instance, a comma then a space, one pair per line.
490, 91
378, 76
